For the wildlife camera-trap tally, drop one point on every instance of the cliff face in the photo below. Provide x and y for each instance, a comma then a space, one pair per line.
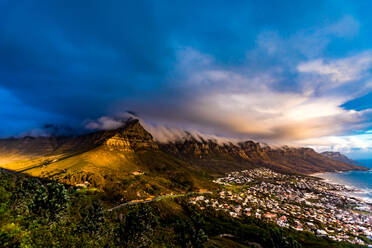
112, 150
126, 161
129, 148
249, 154
131, 136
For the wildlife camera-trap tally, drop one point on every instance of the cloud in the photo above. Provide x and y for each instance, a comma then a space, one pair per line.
305, 43
345, 27
161, 133
339, 71
109, 122
16, 115
238, 70
164, 134
103, 123
354, 145
285, 99
240, 103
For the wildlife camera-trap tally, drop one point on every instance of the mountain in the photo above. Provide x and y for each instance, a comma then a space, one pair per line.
338, 156
219, 159
128, 161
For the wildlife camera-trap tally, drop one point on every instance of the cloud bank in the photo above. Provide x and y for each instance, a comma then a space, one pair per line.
245, 103
283, 74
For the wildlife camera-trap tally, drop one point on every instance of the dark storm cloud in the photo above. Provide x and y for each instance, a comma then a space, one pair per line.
78, 58
277, 71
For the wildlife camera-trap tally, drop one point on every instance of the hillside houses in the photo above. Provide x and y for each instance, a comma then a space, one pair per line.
297, 202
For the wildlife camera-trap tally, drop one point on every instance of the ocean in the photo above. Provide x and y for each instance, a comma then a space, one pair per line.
361, 180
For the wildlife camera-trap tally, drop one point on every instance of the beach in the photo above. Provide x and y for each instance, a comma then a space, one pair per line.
359, 182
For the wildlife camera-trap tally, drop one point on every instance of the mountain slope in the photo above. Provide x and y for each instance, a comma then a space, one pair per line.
338, 156
227, 157
127, 161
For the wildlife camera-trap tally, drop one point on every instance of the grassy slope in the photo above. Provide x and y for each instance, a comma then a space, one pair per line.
112, 171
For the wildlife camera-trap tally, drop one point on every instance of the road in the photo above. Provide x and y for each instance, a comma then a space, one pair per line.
155, 199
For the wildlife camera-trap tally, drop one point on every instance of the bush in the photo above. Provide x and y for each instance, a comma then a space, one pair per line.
137, 227
49, 200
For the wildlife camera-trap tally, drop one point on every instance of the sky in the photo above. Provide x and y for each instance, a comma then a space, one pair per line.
280, 72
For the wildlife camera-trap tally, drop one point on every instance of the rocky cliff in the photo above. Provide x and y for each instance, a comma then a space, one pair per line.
131, 136
226, 157
125, 161
106, 158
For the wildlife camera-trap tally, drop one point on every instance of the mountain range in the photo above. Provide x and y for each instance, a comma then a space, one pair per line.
128, 161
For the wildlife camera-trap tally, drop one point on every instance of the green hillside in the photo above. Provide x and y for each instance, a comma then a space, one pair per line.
125, 162
42, 213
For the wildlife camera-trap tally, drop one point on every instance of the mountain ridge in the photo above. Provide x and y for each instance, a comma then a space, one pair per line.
251, 154
128, 159
339, 157
125, 161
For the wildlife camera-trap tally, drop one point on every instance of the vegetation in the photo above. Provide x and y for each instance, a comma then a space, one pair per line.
40, 213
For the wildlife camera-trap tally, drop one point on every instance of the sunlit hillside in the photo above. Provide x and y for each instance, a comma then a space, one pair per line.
126, 162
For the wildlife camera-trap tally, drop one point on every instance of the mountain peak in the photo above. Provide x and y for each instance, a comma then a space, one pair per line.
131, 133
338, 156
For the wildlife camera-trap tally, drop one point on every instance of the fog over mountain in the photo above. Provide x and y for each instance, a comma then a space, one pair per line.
301, 79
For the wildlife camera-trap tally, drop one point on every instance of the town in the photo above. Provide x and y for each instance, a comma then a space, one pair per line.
303, 203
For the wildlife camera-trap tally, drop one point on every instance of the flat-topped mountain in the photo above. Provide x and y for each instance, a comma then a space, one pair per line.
130, 161
126, 161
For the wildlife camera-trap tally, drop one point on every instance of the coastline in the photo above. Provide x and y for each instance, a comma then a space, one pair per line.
336, 177
297, 202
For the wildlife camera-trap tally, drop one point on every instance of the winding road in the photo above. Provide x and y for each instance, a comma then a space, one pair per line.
155, 199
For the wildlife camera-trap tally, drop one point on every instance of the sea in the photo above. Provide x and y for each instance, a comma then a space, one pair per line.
360, 180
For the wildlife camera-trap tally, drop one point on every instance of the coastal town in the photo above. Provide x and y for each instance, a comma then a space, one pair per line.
303, 203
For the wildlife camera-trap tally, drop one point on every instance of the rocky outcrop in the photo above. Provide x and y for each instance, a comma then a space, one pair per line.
249, 154
207, 155
339, 157
119, 143
129, 138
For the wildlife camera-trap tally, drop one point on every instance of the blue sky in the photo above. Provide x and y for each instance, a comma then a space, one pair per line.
281, 72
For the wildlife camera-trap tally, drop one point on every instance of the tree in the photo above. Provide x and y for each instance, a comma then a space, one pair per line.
201, 239
92, 219
137, 227
190, 234
49, 200
278, 240
10, 236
